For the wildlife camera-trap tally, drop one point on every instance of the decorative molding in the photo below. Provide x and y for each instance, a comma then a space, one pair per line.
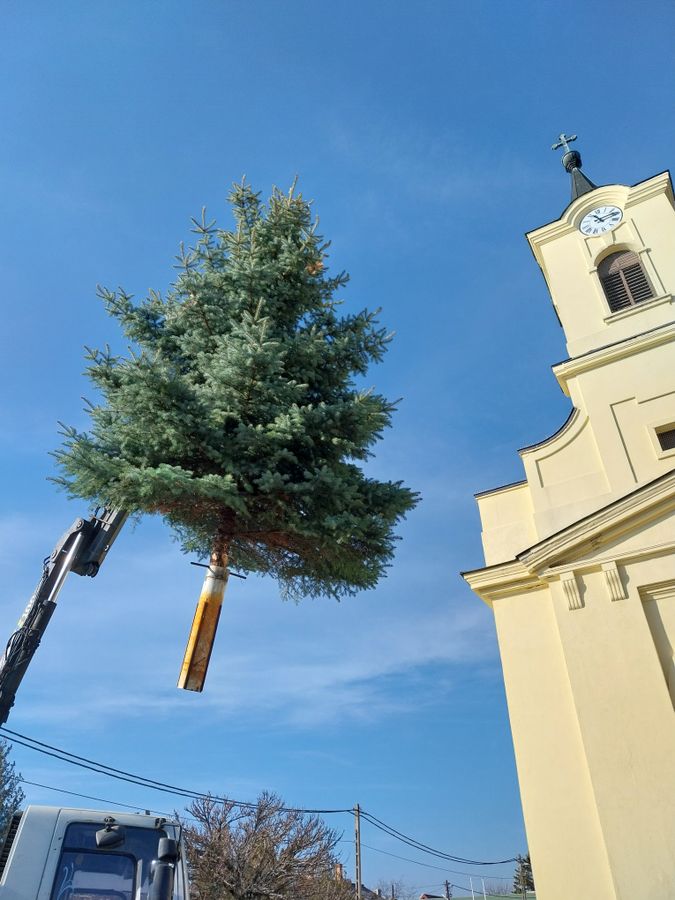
502, 488
661, 300
581, 564
663, 591
568, 223
627, 513
570, 368
571, 589
502, 580
563, 554
619, 194
510, 578
630, 239
615, 587
651, 187
656, 427
566, 426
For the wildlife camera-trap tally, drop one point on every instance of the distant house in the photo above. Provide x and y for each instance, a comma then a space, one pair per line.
366, 893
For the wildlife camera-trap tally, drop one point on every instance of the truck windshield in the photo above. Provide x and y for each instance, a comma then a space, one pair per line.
88, 872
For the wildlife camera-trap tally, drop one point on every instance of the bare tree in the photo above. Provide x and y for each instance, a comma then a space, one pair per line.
396, 888
497, 888
264, 852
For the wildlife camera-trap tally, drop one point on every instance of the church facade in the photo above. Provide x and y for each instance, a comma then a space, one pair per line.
580, 557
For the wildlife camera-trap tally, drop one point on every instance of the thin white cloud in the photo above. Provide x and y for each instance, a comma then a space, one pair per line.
116, 642
296, 665
437, 167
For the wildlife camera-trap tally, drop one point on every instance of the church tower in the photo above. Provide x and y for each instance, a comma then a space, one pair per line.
580, 557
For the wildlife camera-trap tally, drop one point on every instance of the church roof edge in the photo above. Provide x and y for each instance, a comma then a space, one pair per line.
600, 187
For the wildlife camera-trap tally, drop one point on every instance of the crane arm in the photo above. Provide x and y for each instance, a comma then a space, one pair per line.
82, 550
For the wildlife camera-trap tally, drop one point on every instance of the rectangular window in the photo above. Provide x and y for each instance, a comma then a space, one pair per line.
667, 438
89, 872
94, 876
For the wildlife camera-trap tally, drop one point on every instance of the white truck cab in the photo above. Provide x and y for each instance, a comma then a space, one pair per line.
56, 853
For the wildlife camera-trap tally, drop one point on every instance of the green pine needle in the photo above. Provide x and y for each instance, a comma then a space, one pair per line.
235, 414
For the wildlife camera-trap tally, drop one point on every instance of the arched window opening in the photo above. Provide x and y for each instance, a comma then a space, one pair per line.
623, 280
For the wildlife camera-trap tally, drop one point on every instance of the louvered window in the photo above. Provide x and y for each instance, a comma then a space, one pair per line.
624, 281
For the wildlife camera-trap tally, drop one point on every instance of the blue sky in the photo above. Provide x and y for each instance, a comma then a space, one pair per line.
423, 134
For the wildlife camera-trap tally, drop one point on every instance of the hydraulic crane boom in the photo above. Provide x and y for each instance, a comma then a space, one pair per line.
82, 550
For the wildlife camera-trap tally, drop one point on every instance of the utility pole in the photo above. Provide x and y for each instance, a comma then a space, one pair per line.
357, 848
448, 892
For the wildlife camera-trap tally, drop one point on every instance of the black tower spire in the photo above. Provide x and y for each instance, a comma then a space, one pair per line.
572, 162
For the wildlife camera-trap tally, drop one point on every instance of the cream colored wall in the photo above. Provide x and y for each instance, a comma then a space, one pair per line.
625, 399
587, 638
607, 449
592, 718
625, 715
561, 820
565, 476
659, 606
508, 524
569, 262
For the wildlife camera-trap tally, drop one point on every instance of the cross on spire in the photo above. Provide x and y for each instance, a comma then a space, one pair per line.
571, 161
564, 140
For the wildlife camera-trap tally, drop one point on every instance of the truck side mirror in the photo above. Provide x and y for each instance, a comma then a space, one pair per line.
167, 849
163, 870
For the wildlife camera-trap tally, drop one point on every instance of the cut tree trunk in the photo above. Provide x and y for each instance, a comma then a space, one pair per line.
203, 632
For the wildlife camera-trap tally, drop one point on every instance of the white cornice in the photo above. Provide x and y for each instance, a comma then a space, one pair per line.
661, 300
583, 563
502, 580
570, 368
659, 184
566, 426
618, 194
663, 591
608, 523
609, 193
502, 489
568, 551
571, 429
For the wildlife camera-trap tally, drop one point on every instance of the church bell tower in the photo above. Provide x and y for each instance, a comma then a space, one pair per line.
580, 557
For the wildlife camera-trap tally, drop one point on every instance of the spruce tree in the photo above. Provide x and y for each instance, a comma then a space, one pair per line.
523, 880
238, 414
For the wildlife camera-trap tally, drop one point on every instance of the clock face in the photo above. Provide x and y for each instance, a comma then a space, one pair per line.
600, 220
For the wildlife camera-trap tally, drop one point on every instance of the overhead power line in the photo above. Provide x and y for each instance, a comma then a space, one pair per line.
140, 780
50, 787
190, 794
425, 848
136, 807
418, 862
